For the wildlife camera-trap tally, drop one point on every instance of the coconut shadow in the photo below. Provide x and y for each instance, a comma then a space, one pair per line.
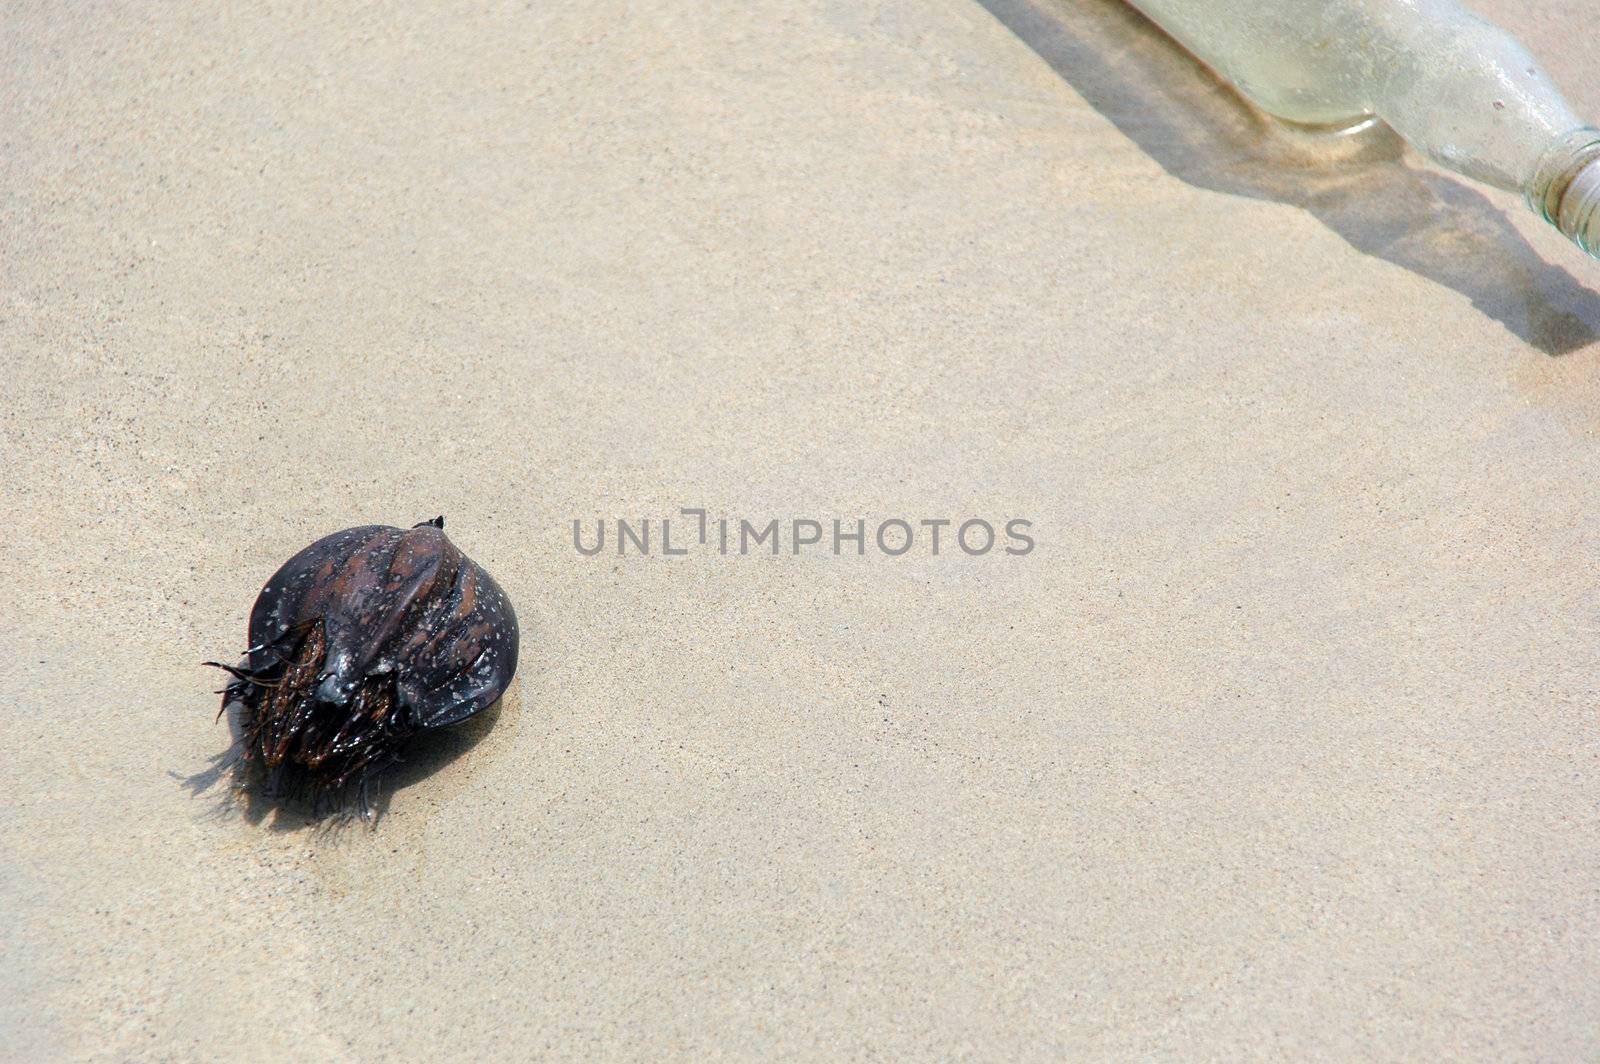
245, 795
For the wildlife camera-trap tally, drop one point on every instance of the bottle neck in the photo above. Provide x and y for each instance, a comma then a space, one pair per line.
1565, 187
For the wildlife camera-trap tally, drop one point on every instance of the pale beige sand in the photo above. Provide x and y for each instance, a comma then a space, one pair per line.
1282, 744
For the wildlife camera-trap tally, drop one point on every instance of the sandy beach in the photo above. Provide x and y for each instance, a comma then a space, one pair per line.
1282, 743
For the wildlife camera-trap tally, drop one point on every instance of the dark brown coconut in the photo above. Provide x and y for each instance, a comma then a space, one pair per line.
361, 641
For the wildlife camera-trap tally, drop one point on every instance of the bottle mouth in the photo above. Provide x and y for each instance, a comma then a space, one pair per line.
1565, 190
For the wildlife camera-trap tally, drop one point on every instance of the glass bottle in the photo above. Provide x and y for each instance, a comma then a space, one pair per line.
1452, 84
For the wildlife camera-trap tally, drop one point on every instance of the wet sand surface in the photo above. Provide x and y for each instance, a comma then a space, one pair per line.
1283, 742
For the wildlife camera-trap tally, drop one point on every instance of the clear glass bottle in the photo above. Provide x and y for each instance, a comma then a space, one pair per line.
1455, 86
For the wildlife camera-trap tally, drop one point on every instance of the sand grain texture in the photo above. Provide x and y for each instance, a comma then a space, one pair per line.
1283, 744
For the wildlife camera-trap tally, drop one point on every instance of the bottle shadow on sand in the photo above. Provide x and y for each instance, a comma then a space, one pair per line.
242, 792
1201, 132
